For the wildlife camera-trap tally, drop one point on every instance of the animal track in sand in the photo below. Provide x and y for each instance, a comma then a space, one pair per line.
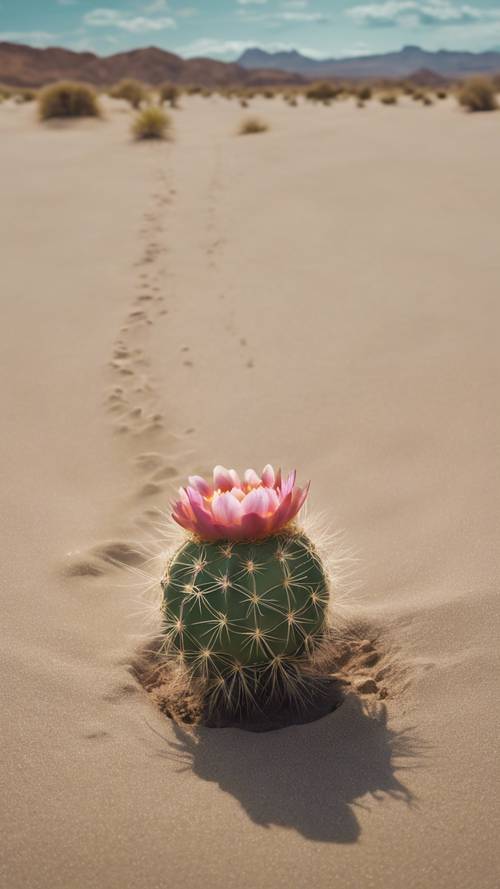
149, 489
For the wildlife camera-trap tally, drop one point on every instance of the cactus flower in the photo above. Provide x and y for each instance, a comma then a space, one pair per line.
231, 509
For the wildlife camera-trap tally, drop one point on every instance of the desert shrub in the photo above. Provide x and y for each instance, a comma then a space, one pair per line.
5, 92
243, 103
389, 99
364, 92
67, 99
25, 95
169, 93
151, 123
426, 100
252, 125
323, 91
360, 103
292, 101
477, 94
194, 89
131, 90
441, 94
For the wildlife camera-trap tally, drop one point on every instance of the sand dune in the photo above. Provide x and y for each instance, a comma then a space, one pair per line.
323, 295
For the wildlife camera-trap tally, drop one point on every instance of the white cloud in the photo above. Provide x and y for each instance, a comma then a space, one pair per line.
33, 38
140, 24
414, 13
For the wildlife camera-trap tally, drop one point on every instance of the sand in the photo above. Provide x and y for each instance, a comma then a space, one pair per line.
325, 296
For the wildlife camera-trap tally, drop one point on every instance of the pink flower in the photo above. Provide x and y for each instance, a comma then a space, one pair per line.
230, 509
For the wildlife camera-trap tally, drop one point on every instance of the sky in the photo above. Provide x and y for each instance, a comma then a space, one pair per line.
225, 28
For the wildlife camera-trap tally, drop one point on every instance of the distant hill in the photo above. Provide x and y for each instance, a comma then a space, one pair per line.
22, 65
444, 63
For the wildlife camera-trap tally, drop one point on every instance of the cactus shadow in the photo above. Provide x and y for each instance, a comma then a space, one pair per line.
308, 778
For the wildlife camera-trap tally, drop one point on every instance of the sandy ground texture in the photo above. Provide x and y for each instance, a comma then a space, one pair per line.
323, 295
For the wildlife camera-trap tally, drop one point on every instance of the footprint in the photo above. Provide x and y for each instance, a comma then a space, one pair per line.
76, 566
120, 552
137, 315
149, 461
121, 353
166, 472
150, 489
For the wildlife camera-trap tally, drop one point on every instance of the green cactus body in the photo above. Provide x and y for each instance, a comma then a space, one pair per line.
244, 606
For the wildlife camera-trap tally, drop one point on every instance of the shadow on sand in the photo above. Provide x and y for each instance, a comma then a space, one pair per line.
309, 778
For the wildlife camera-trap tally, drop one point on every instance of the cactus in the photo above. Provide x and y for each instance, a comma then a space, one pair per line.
249, 610
244, 616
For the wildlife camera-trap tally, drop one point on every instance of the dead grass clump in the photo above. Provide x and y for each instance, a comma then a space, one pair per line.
132, 91
25, 95
478, 94
364, 92
252, 125
151, 123
322, 92
67, 99
169, 93
389, 99
441, 94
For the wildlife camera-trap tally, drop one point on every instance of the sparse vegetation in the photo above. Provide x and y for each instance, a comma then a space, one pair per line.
67, 99
364, 92
23, 95
441, 94
252, 125
388, 98
151, 123
322, 92
478, 94
169, 92
131, 90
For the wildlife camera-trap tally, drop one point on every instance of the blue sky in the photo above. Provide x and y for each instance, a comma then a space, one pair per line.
224, 28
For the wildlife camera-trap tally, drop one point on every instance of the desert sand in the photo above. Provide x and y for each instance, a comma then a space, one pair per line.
325, 296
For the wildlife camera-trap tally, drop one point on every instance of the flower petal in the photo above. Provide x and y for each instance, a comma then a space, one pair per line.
287, 486
226, 509
235, 477
268, 477
253, 526
222, 479
256, 501
196, 481
251, 478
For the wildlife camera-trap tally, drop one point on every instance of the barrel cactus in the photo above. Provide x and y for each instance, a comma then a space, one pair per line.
245, 596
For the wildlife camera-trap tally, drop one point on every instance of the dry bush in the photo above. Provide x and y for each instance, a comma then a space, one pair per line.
322, 91
151, 123
194, 89
388, 99
67, 99
169, 93
131, 90
426, 100
441, 94
5, 92
363, 92
252, 125
243, 103
23, 94
477, 94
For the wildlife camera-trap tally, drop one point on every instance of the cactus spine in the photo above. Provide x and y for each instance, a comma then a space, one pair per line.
245, 615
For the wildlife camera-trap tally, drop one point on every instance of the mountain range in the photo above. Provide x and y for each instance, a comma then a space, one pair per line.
22, 65
27, 66
446, 63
